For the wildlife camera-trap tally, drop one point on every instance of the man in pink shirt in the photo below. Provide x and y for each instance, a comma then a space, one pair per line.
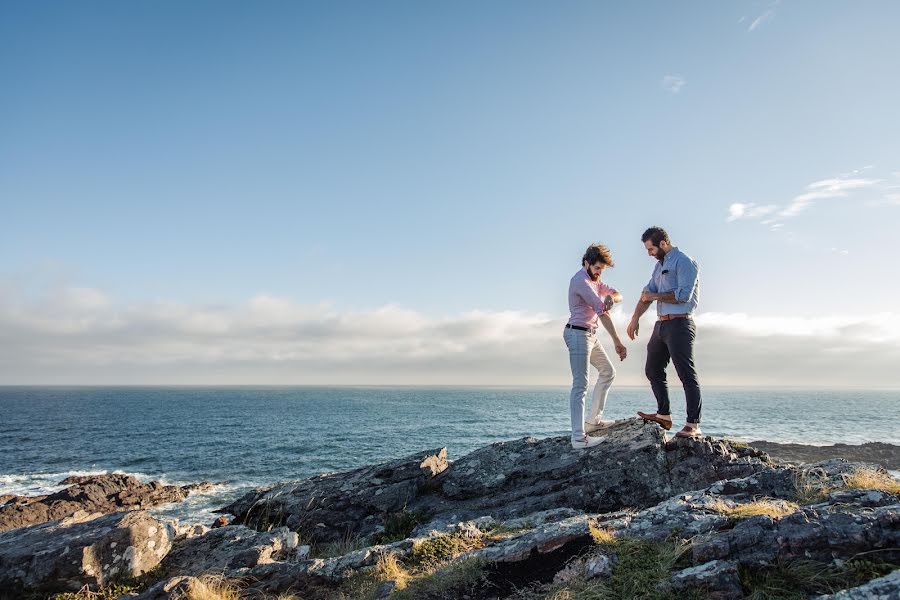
589, 303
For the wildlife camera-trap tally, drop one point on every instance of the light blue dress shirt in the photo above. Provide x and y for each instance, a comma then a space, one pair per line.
677, 273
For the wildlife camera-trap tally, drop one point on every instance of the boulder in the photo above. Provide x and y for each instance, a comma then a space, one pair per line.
91, 550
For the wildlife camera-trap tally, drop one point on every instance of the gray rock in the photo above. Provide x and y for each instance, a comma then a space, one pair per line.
822, 532
330, 507
82, 550
230, 550
599, 567
717, 578
883, 588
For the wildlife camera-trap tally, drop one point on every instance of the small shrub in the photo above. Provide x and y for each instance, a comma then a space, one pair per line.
810, 490
441, 548
110, 592
399, 525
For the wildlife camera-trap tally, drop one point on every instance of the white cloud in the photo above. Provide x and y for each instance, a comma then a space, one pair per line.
836, 187
673, 83
63, 339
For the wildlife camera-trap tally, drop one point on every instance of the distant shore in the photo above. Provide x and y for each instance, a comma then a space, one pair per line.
886, 455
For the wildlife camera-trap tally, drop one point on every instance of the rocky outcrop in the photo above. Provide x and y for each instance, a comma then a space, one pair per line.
634, 467
329, 507
91, 494
81, 550
529, 514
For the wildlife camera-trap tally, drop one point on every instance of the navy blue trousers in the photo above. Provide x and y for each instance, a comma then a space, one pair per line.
674, 340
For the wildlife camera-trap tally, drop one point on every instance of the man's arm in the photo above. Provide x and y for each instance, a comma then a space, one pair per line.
642, 306
589, 295
668, 297
686, 274
639, 310
610, 327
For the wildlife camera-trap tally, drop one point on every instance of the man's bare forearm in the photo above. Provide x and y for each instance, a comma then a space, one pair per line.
668, 297
640, 309
609, 326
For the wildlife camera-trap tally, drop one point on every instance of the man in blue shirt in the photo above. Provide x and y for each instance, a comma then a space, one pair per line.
675, 287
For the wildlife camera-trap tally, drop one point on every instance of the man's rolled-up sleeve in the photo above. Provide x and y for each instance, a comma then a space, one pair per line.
686, 274
589, 295
651, 287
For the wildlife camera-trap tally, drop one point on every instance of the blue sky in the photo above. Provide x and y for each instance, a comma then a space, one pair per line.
340, 161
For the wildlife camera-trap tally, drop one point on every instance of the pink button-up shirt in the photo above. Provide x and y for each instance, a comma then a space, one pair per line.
586, 299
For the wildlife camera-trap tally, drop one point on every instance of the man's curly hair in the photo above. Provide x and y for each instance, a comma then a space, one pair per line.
597, 253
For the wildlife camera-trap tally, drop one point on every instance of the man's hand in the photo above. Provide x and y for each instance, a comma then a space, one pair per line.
608, 303
648, 296
621, 350
632, 330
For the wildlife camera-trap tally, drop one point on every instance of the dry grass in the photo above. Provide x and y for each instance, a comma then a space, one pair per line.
872, 479
388, 568
210, 587
601, 537
764, 506
365, 583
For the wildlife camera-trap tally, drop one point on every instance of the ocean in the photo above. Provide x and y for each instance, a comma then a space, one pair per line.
242, 437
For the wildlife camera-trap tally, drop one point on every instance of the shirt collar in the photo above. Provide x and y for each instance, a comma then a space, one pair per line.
670, 254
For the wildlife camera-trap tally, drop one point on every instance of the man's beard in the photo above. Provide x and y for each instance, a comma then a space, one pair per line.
592, 276
660, 254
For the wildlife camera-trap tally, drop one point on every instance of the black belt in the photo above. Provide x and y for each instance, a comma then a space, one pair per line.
580, 328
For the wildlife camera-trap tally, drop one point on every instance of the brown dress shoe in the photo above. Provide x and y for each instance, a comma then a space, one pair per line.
664, 423
690, 432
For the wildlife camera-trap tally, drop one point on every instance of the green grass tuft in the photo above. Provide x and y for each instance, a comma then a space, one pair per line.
799, 579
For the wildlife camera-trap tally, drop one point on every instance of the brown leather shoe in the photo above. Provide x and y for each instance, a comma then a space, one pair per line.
664, 423
690, 432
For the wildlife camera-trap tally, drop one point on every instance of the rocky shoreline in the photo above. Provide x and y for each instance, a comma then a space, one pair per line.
638, 516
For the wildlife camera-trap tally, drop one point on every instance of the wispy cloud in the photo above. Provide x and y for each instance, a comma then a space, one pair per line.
827, 188
758, 21
767, 15
81, 335
673, 83
773, 215
749, 211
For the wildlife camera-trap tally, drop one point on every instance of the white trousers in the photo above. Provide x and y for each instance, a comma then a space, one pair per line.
584, 350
